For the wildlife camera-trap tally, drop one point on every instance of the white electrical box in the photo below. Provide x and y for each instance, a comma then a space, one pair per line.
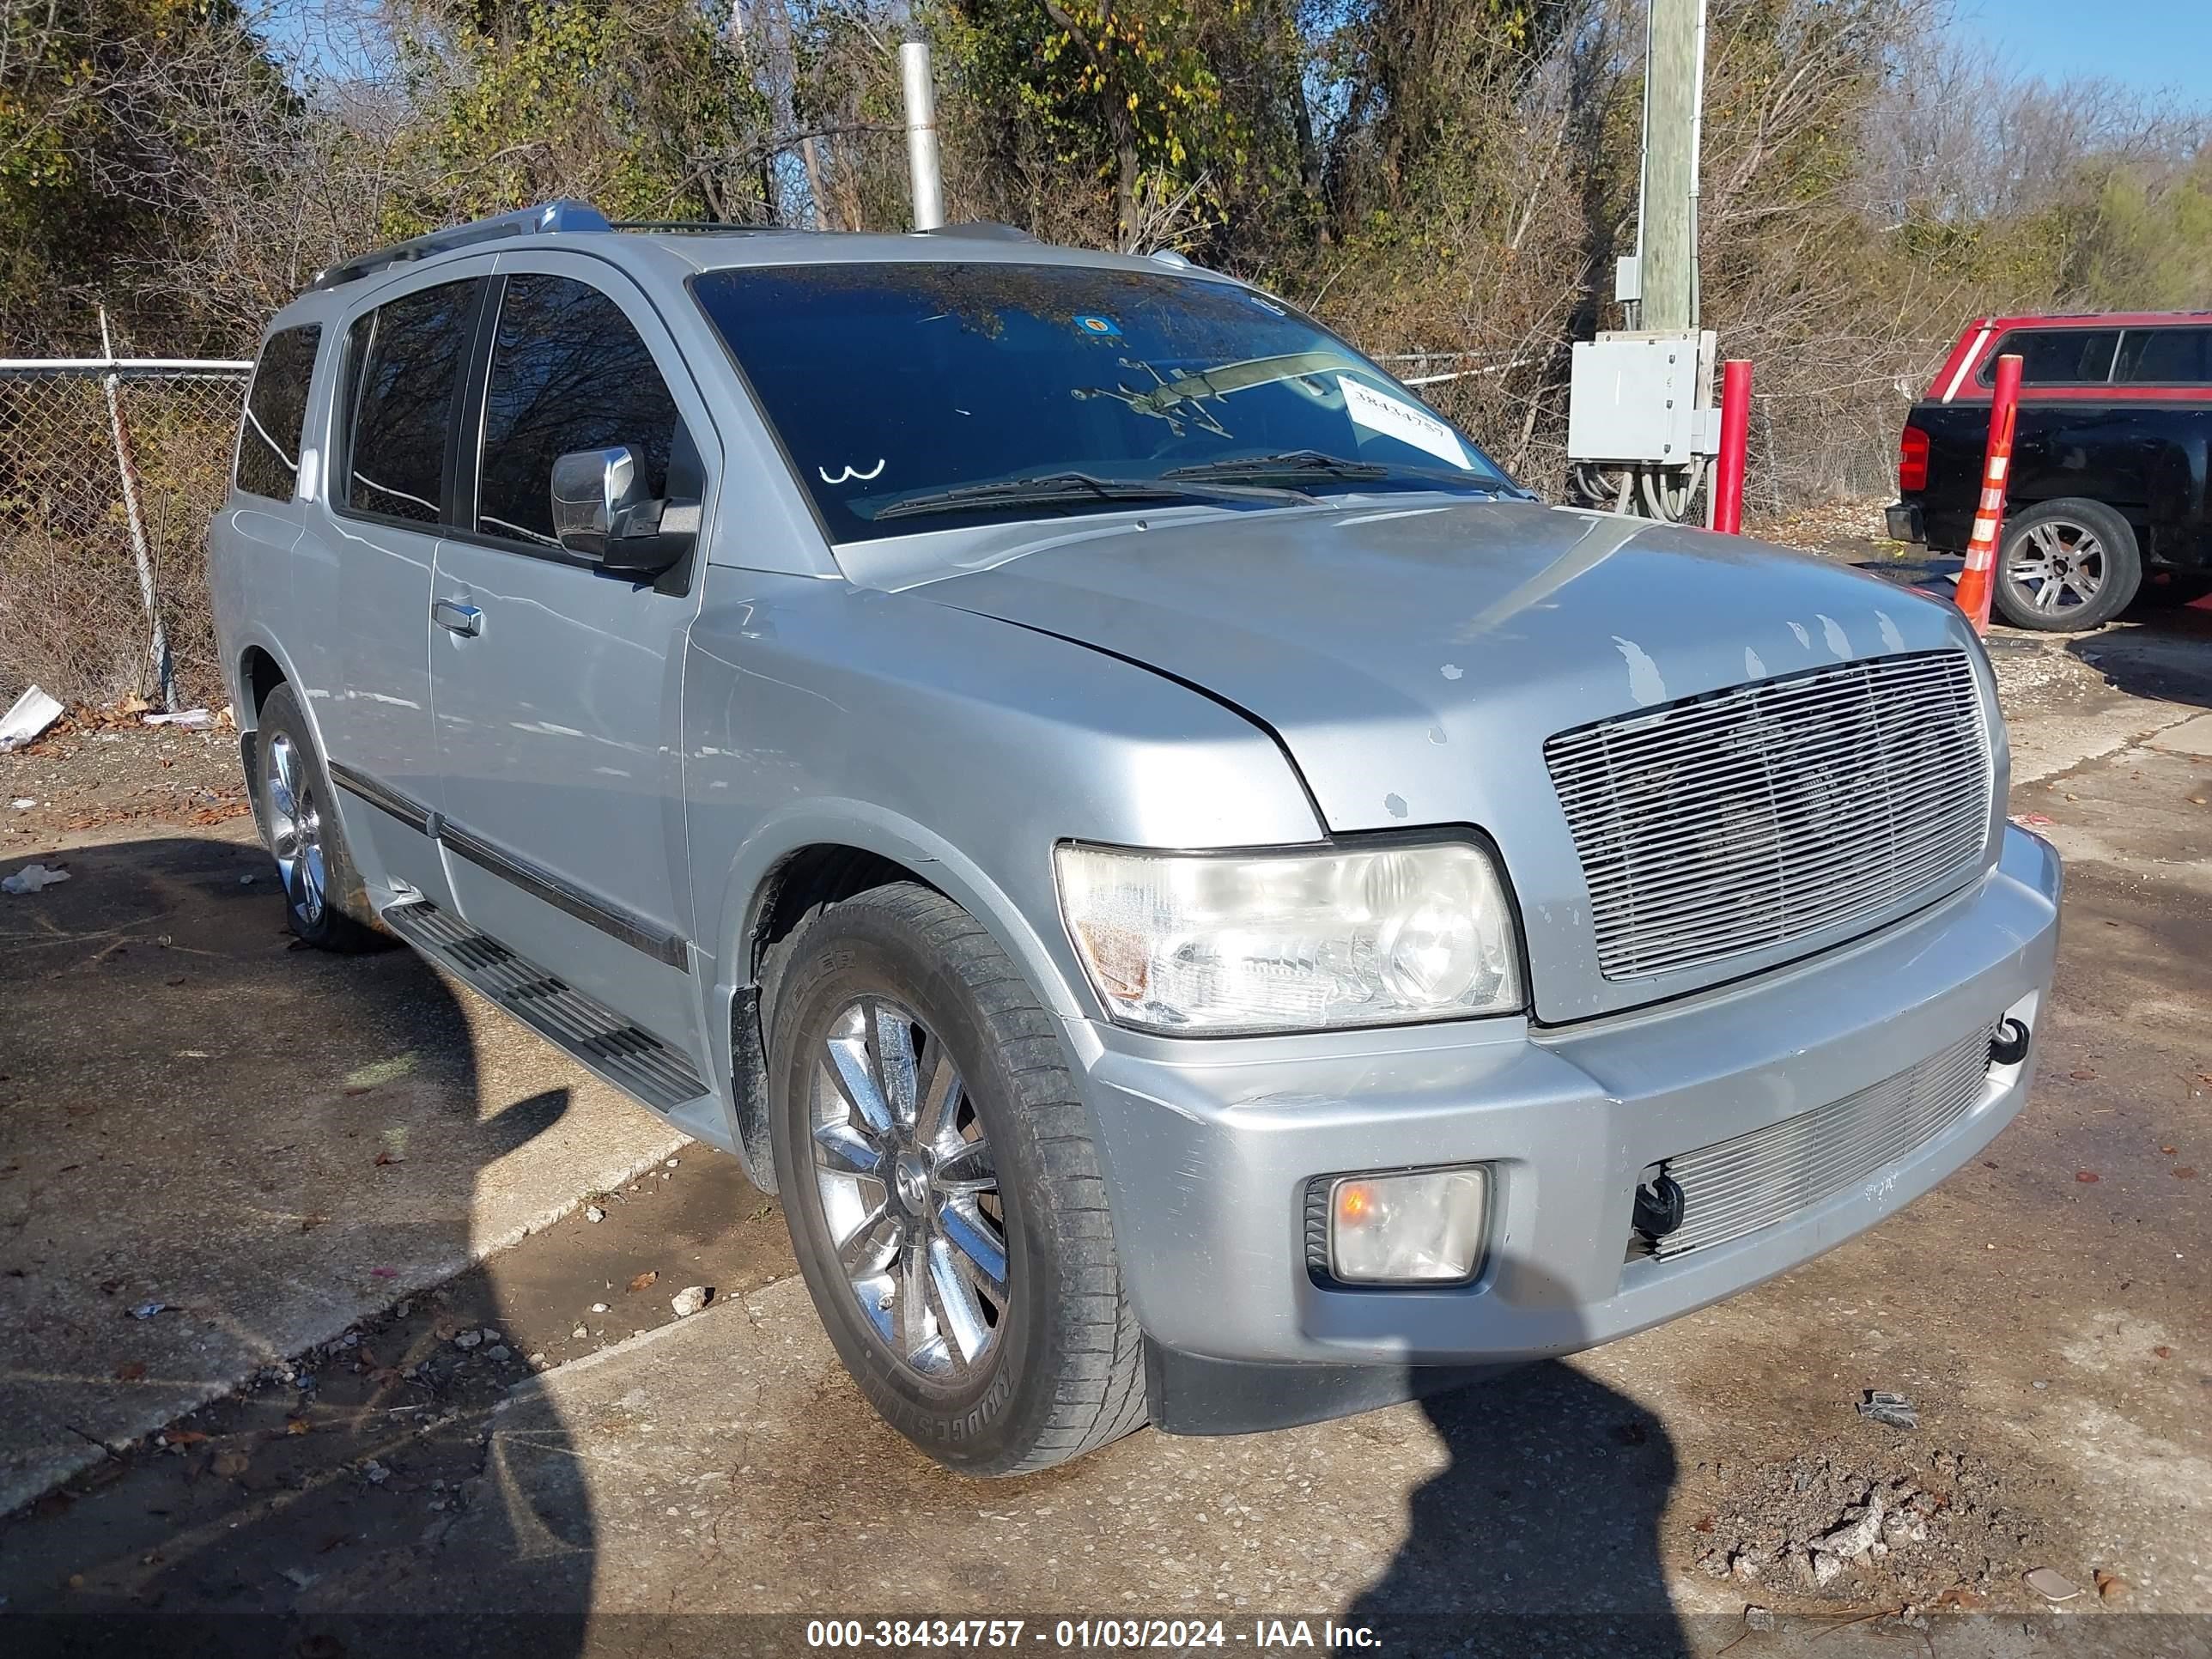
1639, 397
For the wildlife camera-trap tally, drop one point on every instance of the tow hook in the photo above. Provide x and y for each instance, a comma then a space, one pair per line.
1659, 1207
2009, 1046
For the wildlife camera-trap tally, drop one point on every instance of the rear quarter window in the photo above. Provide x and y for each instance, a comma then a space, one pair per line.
276, 414
2165, 357
2056, 357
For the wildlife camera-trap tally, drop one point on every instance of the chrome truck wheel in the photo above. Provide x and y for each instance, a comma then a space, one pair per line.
908, 1189
945, 1203
2066, 565
323, 899
295, 828
2061, 564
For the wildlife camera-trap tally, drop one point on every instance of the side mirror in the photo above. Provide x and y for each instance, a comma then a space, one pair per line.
601, 513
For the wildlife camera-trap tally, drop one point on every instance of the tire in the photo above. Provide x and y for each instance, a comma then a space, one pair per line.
323, 899
988, 1376
2067, 566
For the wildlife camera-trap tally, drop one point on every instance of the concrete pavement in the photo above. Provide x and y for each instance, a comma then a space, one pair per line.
252, 1146
710, 1486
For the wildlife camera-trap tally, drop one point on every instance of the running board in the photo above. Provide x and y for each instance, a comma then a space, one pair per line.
616, 1048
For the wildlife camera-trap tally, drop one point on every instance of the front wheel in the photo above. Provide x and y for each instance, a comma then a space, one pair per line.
943, 1196
2065, 566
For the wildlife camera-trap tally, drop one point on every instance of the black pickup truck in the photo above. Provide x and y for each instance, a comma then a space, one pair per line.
2106, 495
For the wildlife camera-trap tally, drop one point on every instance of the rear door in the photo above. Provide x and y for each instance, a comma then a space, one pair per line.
557, 688
394, 443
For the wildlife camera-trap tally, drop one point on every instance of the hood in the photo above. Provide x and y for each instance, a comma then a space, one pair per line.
1412, 660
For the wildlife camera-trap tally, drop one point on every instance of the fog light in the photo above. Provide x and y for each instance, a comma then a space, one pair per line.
1425, 1227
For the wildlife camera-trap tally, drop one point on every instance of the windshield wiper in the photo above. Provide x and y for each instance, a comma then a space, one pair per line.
1290, 464
1048, 488
1315, 464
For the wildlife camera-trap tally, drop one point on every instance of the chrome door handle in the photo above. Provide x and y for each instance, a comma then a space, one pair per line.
462, 619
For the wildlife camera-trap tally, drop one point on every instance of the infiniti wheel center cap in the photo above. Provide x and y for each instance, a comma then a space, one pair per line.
911, 1176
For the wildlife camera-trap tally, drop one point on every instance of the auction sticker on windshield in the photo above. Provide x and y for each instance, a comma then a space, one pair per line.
1395, 418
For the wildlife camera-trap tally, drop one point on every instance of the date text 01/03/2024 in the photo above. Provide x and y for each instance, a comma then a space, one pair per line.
1262, 1634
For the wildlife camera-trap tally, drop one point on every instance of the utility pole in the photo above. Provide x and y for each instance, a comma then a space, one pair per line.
1667, 232
1640, 425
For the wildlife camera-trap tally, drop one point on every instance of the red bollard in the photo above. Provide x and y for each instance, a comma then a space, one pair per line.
1735, 437
1975, 581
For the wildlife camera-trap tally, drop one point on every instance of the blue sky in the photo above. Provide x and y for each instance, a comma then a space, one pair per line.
2150, 45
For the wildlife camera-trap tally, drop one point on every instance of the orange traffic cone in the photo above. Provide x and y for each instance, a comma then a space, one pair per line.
1974, 581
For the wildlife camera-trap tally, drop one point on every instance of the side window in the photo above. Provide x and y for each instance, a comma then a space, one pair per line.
277, 412
2056, 357
406, 362
2165, 356
567, 372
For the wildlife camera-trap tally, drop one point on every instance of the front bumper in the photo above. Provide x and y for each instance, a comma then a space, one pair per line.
1209, 1146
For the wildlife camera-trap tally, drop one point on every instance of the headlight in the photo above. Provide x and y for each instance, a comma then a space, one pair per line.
1215, 943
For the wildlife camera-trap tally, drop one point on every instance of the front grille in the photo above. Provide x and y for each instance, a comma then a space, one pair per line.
1736, 822
1735, 1187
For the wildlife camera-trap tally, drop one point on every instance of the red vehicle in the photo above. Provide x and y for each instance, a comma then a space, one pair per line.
2107, 493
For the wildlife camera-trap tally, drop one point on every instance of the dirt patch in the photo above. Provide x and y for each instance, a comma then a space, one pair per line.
1899, 1527
1846, 529
90, 775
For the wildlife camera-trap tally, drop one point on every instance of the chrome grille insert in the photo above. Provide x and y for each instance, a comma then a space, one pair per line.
1738, 1185
1732, 823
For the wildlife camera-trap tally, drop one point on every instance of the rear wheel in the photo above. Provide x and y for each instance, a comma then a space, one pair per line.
2067, 565
945, 1199
292, 798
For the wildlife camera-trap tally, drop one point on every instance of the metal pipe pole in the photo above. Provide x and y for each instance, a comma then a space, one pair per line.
165, 682
928, 185
1727, 497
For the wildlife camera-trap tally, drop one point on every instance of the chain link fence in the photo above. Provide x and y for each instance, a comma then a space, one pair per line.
109, 472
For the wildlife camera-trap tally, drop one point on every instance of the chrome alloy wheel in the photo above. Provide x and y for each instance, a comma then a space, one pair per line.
2059, 565
908, 1190
295, 828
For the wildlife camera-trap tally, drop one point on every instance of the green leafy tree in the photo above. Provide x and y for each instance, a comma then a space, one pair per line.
644, 108
1119, 93
87, 91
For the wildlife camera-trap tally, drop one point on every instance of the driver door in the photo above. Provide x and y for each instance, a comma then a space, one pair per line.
555, 687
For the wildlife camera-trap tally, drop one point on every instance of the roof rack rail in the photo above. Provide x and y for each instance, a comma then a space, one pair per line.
712, 226
982, 230
563, 215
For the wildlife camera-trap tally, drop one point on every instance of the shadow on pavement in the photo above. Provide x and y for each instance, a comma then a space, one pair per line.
217, 1151
2158, 651
1541, 1535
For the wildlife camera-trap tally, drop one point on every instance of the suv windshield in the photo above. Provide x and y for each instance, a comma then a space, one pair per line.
898, 389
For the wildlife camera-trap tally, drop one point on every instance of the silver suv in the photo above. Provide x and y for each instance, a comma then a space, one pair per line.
1209, 903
